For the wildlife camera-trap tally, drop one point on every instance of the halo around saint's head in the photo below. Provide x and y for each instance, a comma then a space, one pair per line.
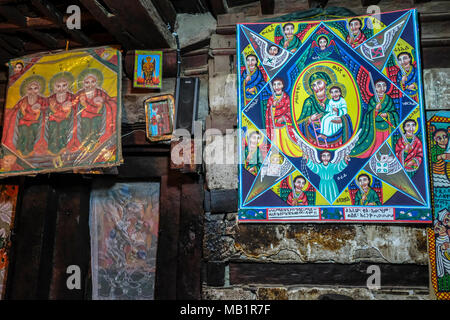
67, 76
90, 71
340, 86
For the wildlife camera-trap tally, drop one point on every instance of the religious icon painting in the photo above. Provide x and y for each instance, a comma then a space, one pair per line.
124, 220
438, 237
159, 115
8, 200
62, 112
331, 120
148, 69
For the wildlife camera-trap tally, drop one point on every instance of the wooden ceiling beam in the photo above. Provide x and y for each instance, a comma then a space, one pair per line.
11, 44
166, 11
39, 23
267, 6
49, 10
143, 21
49, 41
11, 14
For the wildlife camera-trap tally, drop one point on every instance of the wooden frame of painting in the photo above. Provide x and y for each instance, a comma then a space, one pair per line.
159, 121
148, 69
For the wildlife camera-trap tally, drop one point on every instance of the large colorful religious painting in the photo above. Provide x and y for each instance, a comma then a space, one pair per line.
438, 237
148, 69
331, 121
124, 221
62, 112
8, 200
159, 115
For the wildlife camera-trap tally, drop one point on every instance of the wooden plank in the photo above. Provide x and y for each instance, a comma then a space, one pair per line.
224, 201
12, 14
28, 241
169, 219
436, 57
217, 7
267, 6
45, 38
71, 241
50, 11
219, 41
190, 241
392, 275
8, 47
166, 11
144, 167
215, 274
148, 22
111, 23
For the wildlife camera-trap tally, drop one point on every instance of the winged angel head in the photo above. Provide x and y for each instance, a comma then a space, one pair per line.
326, 166
325, 156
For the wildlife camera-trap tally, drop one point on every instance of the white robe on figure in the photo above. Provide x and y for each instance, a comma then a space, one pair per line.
329, 128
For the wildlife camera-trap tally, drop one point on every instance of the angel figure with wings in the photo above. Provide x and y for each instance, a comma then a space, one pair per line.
326, 168
323, 46
272, 56
286, 38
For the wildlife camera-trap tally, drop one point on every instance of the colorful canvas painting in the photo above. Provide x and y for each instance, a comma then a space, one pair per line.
438, 237
331, 120
148, 69
124, 220
159, 115
8, 200
62, 112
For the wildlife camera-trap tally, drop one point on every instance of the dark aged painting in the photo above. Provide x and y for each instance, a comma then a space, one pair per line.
124, 221
332, 123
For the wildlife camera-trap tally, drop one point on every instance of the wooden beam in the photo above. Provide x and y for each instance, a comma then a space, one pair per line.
393, 275
190, 242
71, 241
46, 39
13, 15
141, 19
223, 201
28, 271
166, 11
169, 223
49, 10
8, 47
366, 3
217, 7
